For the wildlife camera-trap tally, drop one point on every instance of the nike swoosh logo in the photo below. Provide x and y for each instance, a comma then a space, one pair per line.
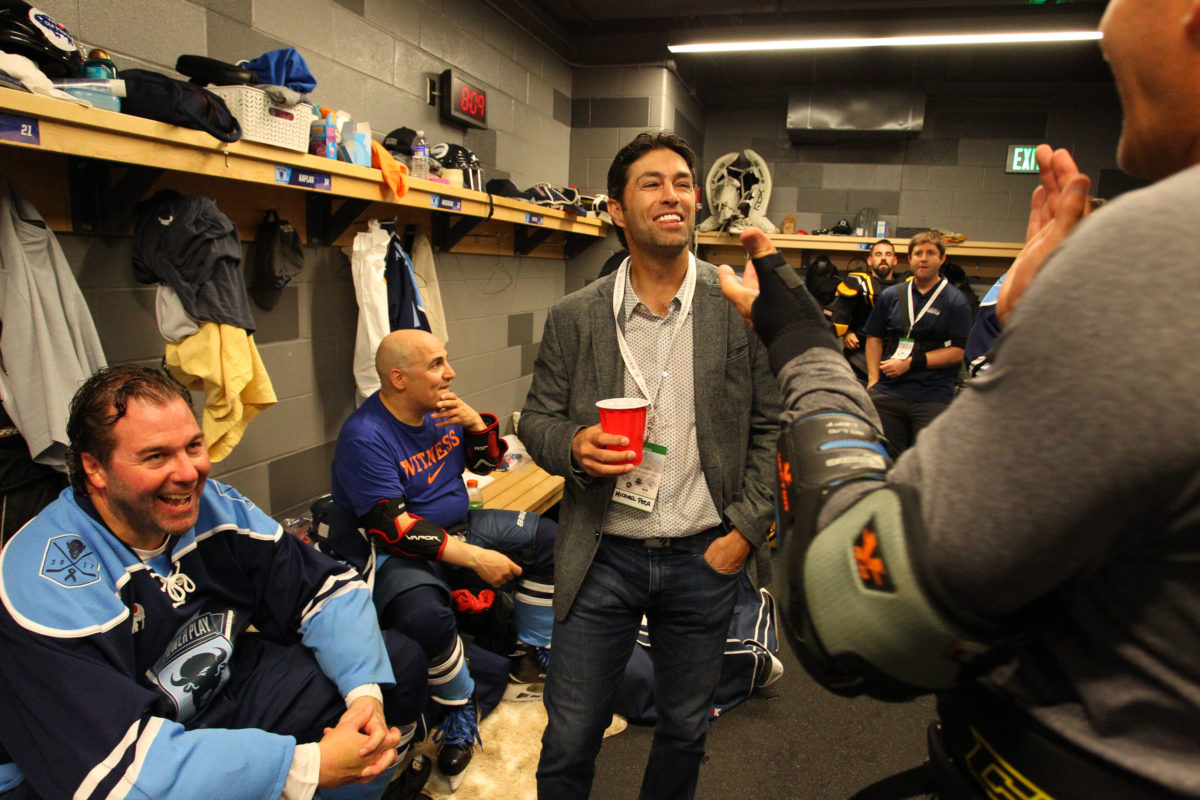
433, 477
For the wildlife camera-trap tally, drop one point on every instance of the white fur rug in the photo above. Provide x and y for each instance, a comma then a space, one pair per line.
506, 766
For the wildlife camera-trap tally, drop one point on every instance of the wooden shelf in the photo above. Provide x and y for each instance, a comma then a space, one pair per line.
85, 168
978, 259
530, 488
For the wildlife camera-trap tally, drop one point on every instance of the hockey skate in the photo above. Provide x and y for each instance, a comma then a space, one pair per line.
458, 736
527, 673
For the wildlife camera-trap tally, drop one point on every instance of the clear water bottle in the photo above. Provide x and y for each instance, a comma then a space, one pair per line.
419, 167
474, 495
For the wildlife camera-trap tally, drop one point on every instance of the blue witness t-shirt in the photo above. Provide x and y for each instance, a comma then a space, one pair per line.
378, 457
947, 320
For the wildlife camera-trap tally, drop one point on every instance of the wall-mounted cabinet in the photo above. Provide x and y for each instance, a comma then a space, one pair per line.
85, 169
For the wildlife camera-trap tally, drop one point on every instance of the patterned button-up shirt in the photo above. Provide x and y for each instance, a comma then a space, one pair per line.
684, 505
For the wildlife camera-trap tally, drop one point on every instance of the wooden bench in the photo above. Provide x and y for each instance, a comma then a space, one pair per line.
529, 488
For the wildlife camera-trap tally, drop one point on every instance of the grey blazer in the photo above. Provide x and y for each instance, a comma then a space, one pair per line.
737, 419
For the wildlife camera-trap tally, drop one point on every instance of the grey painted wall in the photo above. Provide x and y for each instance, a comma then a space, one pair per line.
951, 176
610, 106
371, 58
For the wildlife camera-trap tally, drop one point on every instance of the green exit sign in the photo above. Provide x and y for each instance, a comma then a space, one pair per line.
1020, 158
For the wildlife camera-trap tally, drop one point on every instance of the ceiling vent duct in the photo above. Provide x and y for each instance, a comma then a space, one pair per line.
831, 114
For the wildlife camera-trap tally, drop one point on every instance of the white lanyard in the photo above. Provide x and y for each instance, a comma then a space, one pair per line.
913, 323
689, 289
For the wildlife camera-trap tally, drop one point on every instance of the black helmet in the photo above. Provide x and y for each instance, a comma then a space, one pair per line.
29, 32
453, 156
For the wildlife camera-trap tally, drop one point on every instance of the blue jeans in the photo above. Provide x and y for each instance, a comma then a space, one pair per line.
688, 606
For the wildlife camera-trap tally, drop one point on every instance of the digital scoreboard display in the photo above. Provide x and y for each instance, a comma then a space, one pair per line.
462, 102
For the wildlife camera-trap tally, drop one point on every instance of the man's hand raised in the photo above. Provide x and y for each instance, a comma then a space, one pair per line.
772, 298
1056, 207
452, 409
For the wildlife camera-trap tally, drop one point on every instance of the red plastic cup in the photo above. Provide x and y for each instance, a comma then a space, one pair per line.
625, 416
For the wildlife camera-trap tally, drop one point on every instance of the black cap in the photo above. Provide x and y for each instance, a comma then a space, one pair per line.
503, 187
400, 141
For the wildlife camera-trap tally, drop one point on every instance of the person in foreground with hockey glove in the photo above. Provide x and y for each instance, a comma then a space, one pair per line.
1032, 558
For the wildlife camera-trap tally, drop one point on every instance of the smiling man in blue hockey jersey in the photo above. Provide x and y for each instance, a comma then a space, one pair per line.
128, 670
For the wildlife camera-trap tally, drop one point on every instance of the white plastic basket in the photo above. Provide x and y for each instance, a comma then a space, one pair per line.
265, 121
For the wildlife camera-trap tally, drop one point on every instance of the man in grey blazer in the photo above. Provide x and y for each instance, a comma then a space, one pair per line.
656, 329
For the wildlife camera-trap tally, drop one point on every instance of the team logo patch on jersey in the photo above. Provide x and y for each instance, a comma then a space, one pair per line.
868, 554
195, 664
70, 563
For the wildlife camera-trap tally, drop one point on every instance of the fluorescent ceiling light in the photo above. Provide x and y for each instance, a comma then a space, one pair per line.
886, 41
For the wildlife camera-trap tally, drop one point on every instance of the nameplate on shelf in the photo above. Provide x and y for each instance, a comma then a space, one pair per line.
306, 178
445, 203
19, 129
534, 219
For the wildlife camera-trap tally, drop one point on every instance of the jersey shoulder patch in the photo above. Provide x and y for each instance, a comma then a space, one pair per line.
59, 573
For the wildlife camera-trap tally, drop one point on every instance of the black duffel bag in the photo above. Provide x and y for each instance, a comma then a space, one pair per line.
163, 98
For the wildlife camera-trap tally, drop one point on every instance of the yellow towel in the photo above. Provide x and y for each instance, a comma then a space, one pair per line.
222, 361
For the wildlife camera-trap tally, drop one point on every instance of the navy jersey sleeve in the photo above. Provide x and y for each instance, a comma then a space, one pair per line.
299, 590
877, 323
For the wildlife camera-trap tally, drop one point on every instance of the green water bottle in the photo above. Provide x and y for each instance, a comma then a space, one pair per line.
474, 495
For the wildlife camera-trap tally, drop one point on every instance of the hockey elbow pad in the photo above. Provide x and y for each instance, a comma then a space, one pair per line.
870, 623
485, 448
418, 538
855, 610
817, 455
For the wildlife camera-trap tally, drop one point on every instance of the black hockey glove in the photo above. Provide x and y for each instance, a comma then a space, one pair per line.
786, 316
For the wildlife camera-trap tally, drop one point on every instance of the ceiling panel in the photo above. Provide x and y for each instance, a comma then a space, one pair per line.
615, 32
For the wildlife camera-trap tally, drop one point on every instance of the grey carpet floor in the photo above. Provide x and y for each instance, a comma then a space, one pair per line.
792, 741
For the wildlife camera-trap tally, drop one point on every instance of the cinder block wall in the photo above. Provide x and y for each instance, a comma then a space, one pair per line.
372, 58
951, 176
610, 106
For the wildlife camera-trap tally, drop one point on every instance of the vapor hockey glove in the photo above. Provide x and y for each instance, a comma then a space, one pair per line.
786, 316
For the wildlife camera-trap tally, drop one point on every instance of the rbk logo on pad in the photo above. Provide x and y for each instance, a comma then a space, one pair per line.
868, 554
